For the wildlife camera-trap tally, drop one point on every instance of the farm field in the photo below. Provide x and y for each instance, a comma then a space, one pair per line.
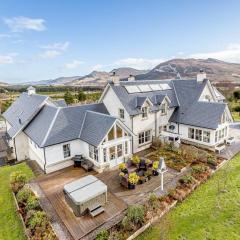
211, 212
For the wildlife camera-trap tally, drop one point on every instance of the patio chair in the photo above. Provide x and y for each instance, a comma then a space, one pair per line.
87, 165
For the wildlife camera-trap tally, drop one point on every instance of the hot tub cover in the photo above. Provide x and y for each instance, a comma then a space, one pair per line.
84, 189
73, 186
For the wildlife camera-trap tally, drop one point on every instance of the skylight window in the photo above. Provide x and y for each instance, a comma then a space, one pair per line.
144, 88
165, 86
155, 87
132, 89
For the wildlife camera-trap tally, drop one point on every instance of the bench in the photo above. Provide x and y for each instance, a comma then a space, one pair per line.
230, 141
220, 148
87, 165
95, 210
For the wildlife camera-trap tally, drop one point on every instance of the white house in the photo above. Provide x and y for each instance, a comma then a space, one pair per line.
125, 121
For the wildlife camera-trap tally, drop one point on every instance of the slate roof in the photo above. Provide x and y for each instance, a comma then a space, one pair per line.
128, 100
193, 112
87, 122
22, 111
60, 103
184, 97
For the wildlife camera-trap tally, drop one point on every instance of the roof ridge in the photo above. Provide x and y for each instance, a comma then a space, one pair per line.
104, 114
80, 132
50, 126
83, 105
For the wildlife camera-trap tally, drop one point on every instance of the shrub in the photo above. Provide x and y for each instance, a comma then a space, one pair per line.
148, 161
127, 224
211, 160
198, 169
187, 179
136, 159
135, 214
153, 201
121, 174
38, 219
122, 166
32, 203
102, 235
17, 180
23, 194
133, 178
155, 165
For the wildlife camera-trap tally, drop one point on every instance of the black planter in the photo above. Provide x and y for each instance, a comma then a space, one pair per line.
131, 186
125, 171
155, 173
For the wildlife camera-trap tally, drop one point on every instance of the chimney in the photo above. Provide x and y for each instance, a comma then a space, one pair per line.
31, 90
131, 78
115, 79
201, 76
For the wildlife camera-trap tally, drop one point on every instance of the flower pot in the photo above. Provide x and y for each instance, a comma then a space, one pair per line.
131, 186
155, 173
125, 171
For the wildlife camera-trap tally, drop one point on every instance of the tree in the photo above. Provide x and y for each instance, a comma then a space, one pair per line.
68, 97
236, 95
81, 96
237, 109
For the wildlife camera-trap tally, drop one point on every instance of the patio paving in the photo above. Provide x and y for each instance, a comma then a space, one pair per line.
232, 150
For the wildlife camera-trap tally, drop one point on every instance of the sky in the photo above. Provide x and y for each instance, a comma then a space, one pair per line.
48, 39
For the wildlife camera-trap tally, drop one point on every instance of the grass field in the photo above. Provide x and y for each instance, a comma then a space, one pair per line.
235, 115
211, 212
10, 224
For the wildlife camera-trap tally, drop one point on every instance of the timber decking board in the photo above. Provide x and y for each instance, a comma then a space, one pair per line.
52, 186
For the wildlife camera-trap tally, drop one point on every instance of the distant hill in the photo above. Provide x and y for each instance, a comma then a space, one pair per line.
100, 78
217, 71
3, 84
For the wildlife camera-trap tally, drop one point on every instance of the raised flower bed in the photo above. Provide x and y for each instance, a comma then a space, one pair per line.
35, 221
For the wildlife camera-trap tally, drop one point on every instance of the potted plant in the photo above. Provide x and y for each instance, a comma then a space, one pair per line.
135, 160
123, 168
155, 167
148, 174
149, 163
133, 179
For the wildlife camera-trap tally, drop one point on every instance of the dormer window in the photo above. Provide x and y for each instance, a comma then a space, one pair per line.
144, 112
163, 109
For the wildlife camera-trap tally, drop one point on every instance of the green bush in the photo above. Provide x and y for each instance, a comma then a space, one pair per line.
135, 214
211, 160
32, 203
23, 194
197, 169
127, 224
38, 219
103, 235
153, 201
187, 179
17, 180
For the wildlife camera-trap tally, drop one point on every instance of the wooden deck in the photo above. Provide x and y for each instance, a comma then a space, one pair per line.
52, 186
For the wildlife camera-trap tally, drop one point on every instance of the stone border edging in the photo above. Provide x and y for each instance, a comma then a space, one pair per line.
156, 218
151, 221
20, 215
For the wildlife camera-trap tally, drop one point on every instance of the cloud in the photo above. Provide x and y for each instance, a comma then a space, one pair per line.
7, 58
138, 63
3, 35
57, 46
50, 54
230, 54
19, 24
74, 64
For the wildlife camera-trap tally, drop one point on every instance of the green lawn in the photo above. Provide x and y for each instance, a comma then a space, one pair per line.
10, 224
211, 212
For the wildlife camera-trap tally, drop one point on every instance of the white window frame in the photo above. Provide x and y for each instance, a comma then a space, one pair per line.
66, 150
144, 112
163, 109
206, 136
144, 137
121, 113
119, 150
93, 152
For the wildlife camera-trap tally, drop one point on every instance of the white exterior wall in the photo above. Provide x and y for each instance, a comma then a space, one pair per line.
206, 92
54, 154
21, 144
113, 104
36, 153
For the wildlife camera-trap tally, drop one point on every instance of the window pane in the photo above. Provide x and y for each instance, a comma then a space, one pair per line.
112, 152
66, 150
126, 147
104, 155
119, 150
111, 134
119, 132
